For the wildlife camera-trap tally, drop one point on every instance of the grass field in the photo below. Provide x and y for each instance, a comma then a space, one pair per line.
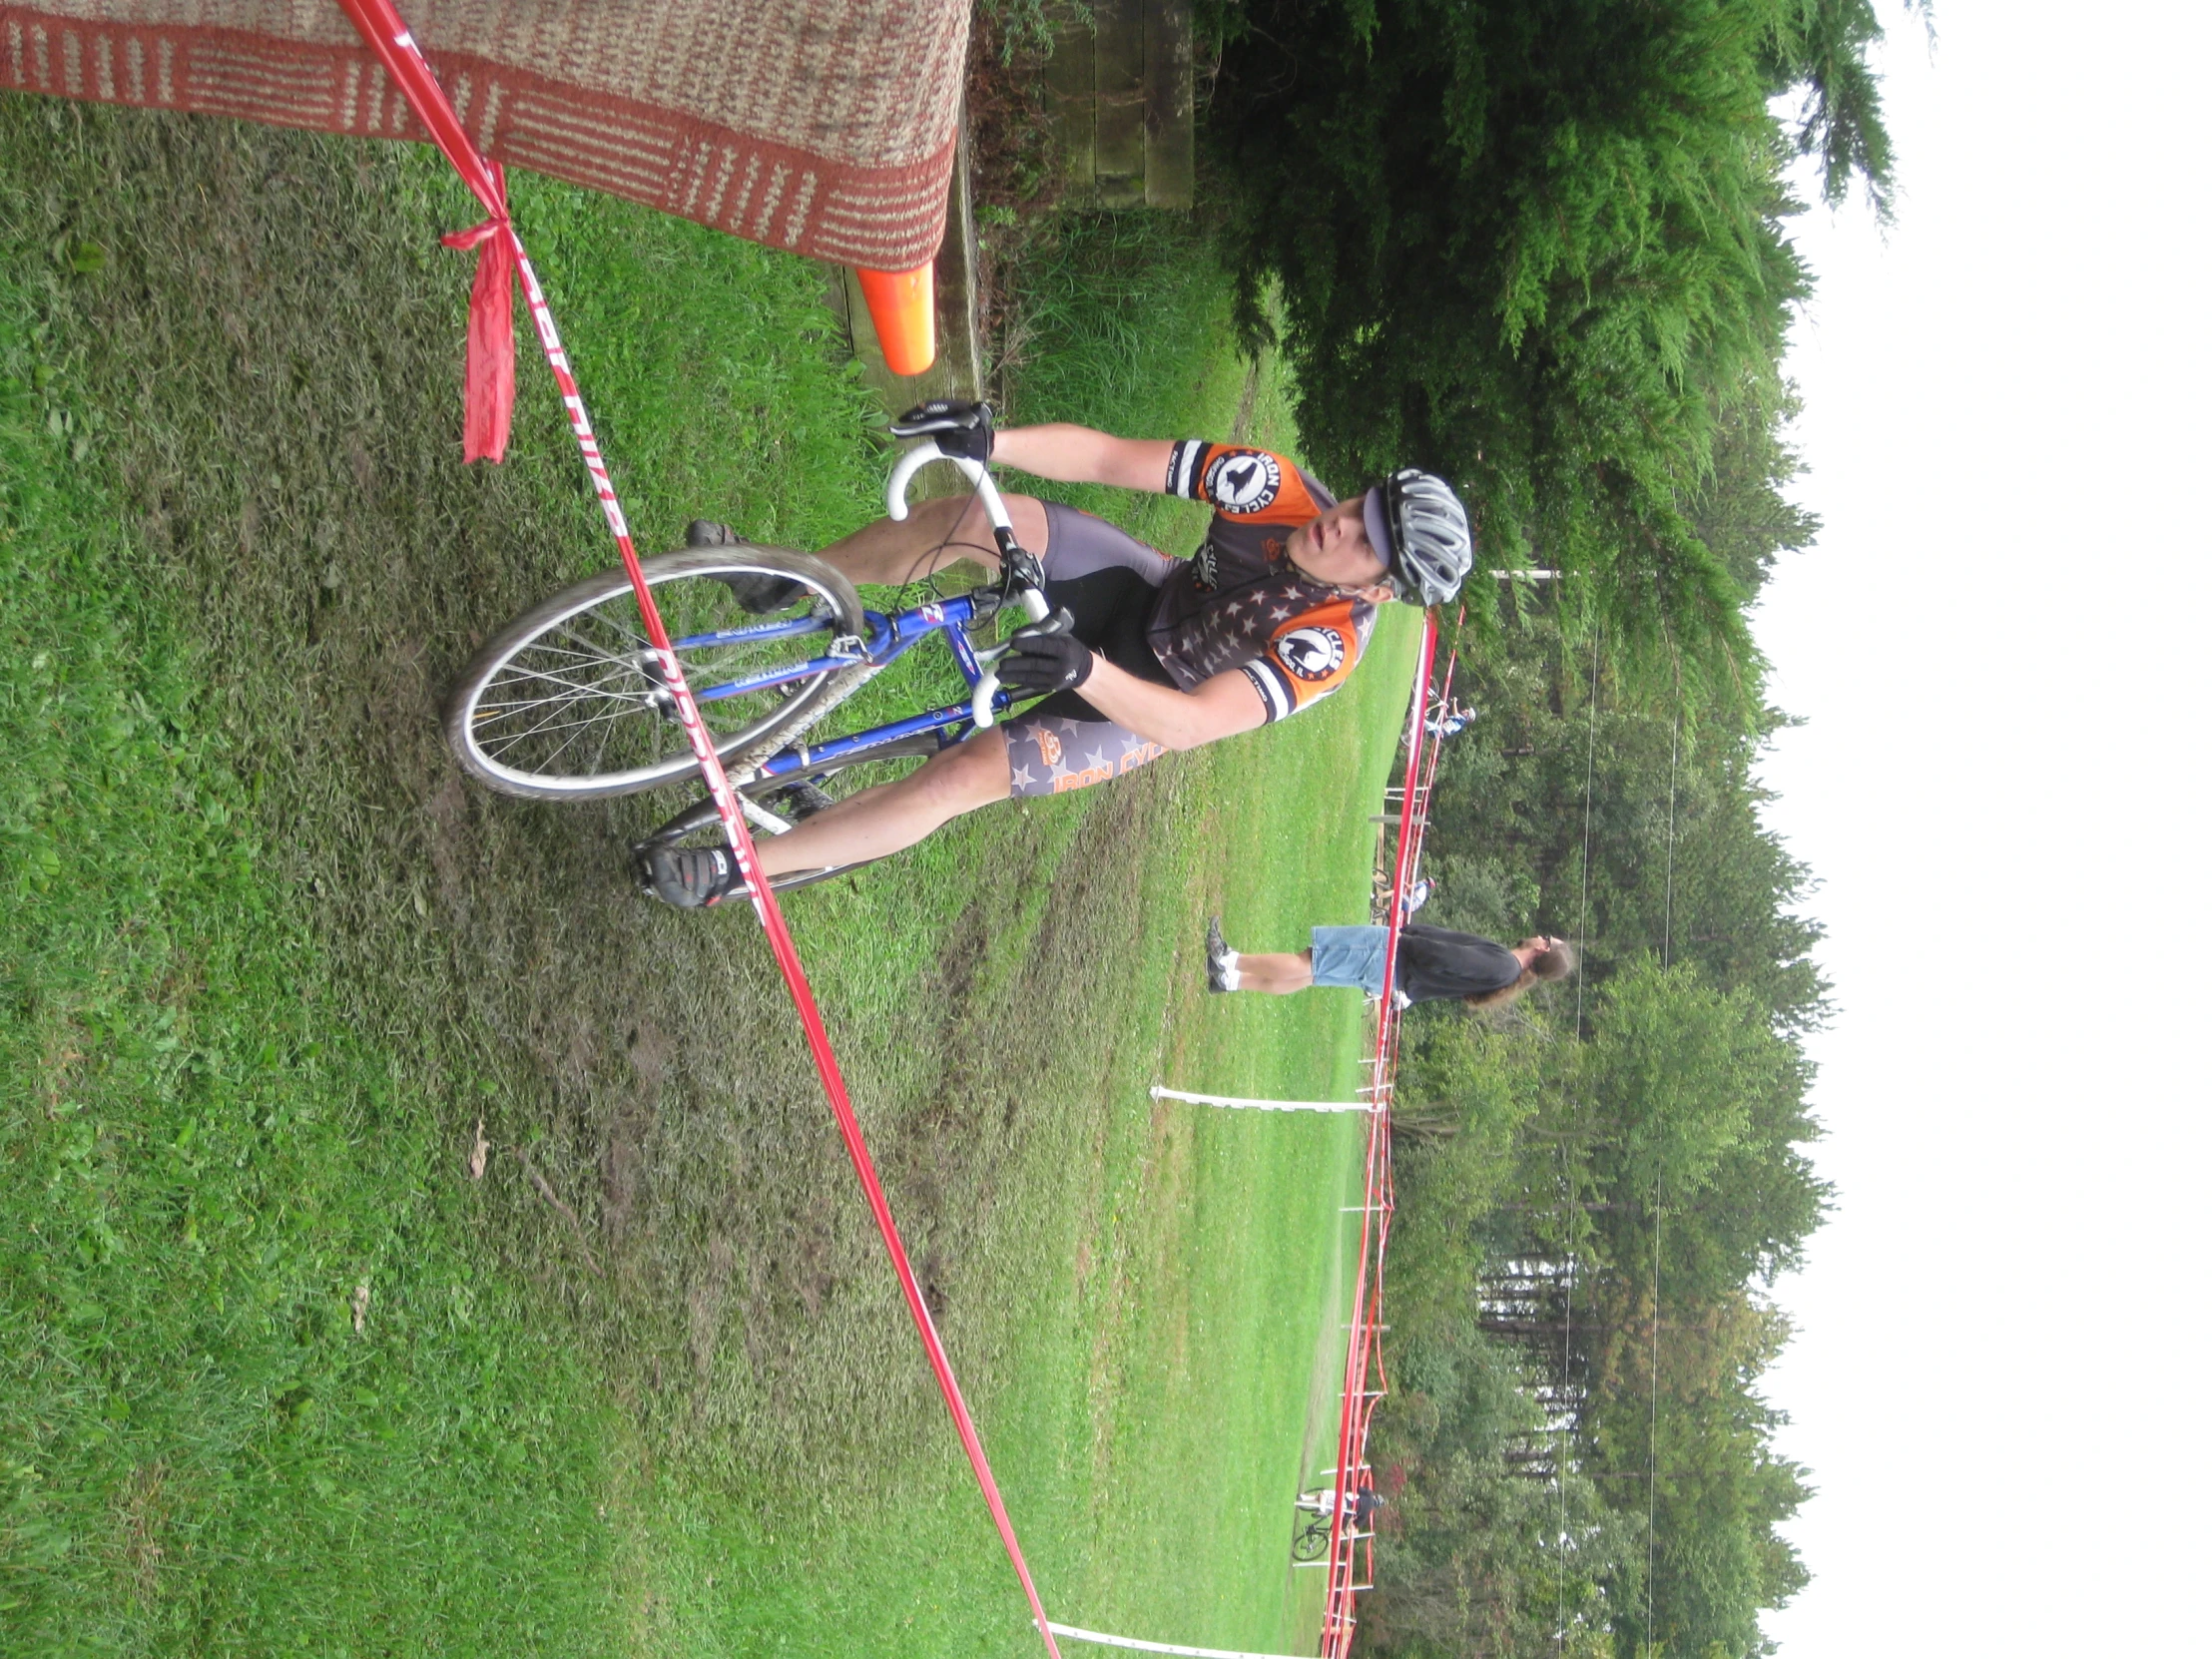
278, 1370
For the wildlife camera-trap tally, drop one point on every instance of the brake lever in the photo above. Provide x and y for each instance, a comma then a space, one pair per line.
1024, 584
1021, 578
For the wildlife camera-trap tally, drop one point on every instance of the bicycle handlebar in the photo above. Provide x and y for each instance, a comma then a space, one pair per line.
1031, 599
1034, 607
922, 453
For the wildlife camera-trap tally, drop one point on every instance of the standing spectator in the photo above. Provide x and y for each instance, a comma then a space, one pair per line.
1433, 963
1451, 720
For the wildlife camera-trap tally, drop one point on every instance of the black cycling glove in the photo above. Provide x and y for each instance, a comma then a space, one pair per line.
1046, 657
959, 428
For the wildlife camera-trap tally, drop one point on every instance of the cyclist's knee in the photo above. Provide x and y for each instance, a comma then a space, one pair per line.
968, 775
1024, 512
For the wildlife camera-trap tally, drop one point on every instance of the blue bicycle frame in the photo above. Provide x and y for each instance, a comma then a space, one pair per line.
889, 638
892, 637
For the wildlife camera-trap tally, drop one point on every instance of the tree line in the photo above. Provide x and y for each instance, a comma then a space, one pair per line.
1541, 249
1597, 1189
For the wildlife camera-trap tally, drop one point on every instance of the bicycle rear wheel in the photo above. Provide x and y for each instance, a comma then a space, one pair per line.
1311, 1542
567, 702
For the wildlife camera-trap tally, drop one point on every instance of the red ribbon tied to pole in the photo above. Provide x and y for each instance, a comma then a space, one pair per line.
488, 394
490, 387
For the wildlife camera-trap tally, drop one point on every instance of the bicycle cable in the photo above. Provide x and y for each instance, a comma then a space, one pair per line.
927, 581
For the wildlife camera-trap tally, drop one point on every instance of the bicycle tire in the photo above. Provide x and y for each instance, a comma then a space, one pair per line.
495, 724
1311, 1542
701, 819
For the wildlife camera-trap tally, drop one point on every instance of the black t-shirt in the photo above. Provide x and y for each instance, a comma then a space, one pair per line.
1436, 963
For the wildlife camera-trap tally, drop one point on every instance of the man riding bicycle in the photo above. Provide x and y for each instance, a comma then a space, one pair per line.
1144, 653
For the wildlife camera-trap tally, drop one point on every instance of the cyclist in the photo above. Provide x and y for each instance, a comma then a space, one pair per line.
1358, 1504
1144, 653
1450, 722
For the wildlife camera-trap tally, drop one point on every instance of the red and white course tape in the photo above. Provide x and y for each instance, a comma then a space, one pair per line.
490, 394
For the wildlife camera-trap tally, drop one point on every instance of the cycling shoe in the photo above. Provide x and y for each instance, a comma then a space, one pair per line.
756, 591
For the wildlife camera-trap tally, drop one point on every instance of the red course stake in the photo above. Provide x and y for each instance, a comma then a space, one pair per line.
490, 394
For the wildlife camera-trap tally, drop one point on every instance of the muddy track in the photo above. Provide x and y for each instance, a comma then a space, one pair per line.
287, 339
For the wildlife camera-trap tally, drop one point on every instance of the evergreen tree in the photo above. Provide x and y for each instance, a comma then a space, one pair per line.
1597, 1189
1538, 249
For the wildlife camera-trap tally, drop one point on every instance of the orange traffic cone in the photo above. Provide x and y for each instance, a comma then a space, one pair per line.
903, 307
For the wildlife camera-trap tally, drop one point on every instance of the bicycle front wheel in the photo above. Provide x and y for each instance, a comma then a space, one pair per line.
568, 703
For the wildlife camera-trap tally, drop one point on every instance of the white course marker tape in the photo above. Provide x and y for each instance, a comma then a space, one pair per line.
1159, 1093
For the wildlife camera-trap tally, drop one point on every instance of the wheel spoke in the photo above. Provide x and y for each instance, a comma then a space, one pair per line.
587, 688
547, 727
581, 698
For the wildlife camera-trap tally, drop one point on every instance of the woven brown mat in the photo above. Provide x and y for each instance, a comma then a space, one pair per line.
826, 126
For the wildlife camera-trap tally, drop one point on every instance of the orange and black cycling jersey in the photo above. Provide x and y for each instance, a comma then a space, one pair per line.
1240, 603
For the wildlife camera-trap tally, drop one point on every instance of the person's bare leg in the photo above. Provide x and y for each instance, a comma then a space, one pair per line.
890, 817
936, 533
1277, 972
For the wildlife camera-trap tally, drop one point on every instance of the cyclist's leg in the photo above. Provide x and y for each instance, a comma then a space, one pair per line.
1080, 544
1059, 745
1063, 743
1051, 752
940, 531
946, 529
1277, 972
880, 821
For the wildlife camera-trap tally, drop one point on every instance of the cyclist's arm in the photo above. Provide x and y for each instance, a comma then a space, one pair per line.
1219, 707
1078, 455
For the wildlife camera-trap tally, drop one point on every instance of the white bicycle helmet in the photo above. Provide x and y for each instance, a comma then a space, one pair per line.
1419, 526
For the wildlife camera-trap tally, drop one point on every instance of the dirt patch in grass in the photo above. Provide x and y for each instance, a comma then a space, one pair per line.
293, 475
590, 1112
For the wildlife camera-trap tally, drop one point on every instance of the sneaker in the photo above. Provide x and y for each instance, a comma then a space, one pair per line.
1217, 956
755, 591
689, 877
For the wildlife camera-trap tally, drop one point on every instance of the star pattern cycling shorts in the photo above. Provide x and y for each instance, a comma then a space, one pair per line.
1107, 580
1053, 755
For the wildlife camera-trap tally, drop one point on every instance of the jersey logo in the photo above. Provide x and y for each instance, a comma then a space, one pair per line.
1048, 746
1311, 653
1243, 480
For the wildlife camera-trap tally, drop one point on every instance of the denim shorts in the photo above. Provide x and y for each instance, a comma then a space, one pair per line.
1350, 956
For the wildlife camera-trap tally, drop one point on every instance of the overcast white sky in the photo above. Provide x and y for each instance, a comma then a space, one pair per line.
2000, 647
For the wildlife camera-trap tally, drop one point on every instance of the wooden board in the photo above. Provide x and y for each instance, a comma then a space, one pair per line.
1120, 82
1119, 86
1170, 125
